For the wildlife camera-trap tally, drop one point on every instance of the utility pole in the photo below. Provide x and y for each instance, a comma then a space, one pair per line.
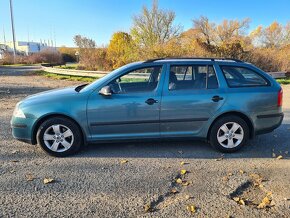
13, 32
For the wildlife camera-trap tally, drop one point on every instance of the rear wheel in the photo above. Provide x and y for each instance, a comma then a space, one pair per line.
59, 137
229, 133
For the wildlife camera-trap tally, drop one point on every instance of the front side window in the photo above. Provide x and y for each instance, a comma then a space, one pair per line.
139, 80
242, 77
192, 77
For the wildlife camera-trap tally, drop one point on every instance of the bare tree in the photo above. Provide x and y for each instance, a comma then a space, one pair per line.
155, 26
84, 42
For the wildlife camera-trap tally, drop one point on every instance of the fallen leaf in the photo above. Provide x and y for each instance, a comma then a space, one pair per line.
147, 208
179, 181
236, 199
261, 186
279, 157
242, 172
239, 200
188, 197
123, 161
15, 161
185, 183
225, 178
29, 177
242, 202
48, 180
230, 174
266, 202
174, 191
183, 163
269, 193
191, 208
183, 172
219, 159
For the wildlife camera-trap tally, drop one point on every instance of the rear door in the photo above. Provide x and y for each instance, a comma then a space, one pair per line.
191, 95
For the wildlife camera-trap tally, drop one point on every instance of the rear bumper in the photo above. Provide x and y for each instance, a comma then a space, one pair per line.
267, 123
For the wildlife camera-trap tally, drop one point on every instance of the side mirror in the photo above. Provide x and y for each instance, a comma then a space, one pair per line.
106, 91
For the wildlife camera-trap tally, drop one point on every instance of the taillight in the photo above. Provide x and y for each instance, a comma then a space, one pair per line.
280, 97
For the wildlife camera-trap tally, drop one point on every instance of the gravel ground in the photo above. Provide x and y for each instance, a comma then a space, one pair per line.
94, 183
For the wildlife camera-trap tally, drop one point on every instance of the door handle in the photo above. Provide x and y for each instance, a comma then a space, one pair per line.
217, 98
151, 101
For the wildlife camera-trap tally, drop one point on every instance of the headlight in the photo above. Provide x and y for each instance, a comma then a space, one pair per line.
18, 113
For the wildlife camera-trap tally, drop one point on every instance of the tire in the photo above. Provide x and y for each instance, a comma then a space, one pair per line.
59, 137
229, 134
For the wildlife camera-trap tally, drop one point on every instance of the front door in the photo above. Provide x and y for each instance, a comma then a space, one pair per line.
132, 111
191, 96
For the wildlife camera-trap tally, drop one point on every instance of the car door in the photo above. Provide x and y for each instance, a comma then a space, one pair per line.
133, 109
191, 95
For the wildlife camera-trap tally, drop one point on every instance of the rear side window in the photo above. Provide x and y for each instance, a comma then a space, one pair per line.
243, 77
192, 77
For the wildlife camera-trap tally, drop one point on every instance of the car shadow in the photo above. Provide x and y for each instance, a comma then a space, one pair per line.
262, 146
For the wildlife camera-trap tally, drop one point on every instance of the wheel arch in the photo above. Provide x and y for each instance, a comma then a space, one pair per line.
48, 116
246, 118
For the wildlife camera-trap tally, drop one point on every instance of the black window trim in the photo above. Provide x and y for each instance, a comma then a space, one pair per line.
192, 65
248, 86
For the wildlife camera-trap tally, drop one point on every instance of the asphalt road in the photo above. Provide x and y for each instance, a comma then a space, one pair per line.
94, 183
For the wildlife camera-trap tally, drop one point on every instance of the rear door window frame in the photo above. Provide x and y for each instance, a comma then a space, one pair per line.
193, 65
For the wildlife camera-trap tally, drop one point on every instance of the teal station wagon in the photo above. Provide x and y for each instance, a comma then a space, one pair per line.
223, 101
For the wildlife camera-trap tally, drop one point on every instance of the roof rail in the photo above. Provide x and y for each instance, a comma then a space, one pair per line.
190, 58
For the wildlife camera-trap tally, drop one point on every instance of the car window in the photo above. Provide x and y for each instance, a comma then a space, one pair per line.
242, 77
139, 80
192, 77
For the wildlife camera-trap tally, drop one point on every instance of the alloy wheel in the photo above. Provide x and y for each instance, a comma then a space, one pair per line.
58, 138
230, 135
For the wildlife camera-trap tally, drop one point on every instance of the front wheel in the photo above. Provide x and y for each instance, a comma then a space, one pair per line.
229, 134
59, 137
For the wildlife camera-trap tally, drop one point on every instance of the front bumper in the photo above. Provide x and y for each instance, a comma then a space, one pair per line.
22, 129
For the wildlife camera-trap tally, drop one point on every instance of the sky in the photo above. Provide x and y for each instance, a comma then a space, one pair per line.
98, 19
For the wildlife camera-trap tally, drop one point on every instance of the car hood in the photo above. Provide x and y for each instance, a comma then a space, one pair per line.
50, 95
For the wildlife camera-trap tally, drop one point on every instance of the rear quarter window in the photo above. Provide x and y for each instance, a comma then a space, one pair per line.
243, 77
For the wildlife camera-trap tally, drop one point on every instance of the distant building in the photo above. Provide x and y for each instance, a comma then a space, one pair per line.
25, 48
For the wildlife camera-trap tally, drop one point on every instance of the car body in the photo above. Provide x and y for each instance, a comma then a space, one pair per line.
155, 99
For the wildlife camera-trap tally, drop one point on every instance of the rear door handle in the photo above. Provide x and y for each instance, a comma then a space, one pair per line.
217, 98
151, 101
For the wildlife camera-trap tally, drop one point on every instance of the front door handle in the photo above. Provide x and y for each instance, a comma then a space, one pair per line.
217, 98
151, 101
